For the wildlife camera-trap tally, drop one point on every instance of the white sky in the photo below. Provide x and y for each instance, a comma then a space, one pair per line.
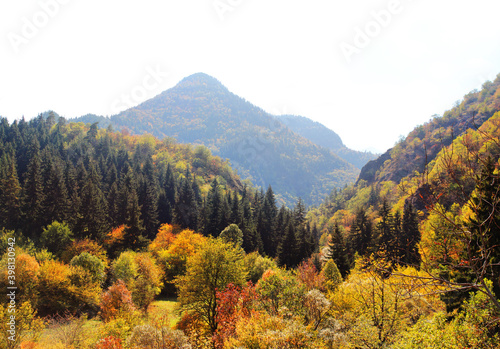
77, 57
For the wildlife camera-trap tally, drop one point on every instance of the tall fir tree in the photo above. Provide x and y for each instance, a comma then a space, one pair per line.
215, 210
410, 237
94, 219
150, 199
33, 193
288, 250
337, 250
10, 196
167, 196
361, 236
266, 225
186, 211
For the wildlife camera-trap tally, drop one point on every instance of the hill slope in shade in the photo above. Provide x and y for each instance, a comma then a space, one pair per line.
200, 110
324, 137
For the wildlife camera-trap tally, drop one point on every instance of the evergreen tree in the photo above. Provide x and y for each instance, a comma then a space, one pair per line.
266, 225
74, 200
305, 242
150, 199
387, 241
288, 250
56, 204
410, 237
33, 193
114, 205
299, 213
236, 211
485, 224
337, 250
282, 221
167, 196
361, 236
186, 210
10, 196
94, 220
214, 210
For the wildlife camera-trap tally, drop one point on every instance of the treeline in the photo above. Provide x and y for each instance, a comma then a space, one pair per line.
392, 237
97, 180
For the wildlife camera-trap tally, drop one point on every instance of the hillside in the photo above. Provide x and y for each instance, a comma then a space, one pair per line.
424, 143
435, 175
326, 138
200, 110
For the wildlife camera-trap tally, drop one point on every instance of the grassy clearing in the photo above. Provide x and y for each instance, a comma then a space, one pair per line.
168, 305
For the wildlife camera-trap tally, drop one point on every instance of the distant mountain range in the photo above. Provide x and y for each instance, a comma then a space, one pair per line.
296, 156
321, 135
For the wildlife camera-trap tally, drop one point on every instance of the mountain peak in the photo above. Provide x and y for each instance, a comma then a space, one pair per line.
198, 79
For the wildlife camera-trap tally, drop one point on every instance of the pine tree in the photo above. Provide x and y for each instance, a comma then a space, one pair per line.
186, 209
485, 224
251, 238
305, 242
410, 237
299, 213
73, 195
337, 250
94, 219
10, 196
361, 236
386, 233
214, 210
167, 196
236, 212
56, 204
33, 193
289, 249
150, 199
266, 225
282, 221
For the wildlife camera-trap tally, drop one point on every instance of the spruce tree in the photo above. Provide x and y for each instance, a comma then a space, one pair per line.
410, 237
267, 223
10, 196
33, 193
167, 196
337, 250
186, 209
485, 224
150, 199
94, 219
361, 236
56, 204
288, 250
214, 210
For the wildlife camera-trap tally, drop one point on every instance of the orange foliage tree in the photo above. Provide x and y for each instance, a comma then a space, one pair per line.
117, 299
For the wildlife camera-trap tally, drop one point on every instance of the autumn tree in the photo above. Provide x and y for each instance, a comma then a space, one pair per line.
212, 268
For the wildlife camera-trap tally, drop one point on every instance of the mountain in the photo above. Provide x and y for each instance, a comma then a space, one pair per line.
436, 165
200, 110
326, 138
421, 147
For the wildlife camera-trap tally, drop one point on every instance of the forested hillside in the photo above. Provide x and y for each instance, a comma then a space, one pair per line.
326, 138
200, 110
98, 227
430, 203
92, 214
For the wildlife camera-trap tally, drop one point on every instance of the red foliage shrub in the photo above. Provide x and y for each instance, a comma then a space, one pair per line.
109, 343
116, 299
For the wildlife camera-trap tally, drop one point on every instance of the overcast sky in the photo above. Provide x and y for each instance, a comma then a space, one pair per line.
370, 70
